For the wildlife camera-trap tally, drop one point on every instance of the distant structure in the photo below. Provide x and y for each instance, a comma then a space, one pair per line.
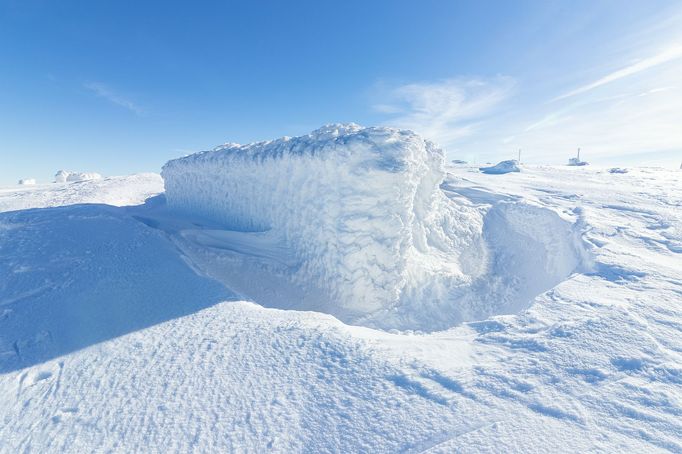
576, 161
519, 156
27, 181
458, 161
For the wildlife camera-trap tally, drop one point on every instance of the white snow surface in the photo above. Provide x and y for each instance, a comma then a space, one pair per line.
114, 339
367, 234
117, 191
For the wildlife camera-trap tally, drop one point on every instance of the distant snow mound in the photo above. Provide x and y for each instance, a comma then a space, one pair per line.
618, 170
63, 176
360, 209
27, 182
502, 167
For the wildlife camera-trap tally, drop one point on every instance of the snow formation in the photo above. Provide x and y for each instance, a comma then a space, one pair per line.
502, 167
360, 209
27, 181
63, 176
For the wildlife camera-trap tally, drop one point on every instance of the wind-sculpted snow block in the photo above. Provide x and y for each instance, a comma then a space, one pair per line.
360, 209
502, 167
63, 176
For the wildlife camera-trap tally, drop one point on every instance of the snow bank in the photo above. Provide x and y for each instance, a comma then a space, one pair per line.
360, 208
63, 176
502, 167
27, 182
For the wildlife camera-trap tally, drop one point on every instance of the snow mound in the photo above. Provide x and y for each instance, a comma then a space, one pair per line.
63, 176
618, 170
359, 209
502, 167
27, 182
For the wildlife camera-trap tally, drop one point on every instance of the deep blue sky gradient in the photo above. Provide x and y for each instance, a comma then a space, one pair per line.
186, 76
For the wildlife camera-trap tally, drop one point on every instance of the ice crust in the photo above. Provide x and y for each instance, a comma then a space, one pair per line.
360, 208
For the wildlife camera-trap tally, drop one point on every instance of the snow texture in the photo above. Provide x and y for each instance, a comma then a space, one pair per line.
502, 167
117, 191
112, 340
360, 209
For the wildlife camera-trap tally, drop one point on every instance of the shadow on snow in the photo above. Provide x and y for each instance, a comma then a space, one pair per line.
77, 275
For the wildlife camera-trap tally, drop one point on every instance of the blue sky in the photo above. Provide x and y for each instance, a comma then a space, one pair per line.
120, 86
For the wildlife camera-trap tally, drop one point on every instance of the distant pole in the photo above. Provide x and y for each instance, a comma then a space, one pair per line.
519, 156
578, 154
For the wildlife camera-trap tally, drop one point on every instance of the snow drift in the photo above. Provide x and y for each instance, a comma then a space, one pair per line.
63, 176
360, 209
502, 167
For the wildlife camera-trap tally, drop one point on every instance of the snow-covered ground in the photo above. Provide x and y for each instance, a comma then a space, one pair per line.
123, 328
117, 191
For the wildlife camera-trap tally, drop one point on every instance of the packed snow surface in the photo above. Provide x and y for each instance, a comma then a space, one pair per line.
114, 339
502, 167
129, 190
360, 220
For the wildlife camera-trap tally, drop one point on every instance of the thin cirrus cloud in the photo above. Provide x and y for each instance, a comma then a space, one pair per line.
446, 110
106, 92
670, 54
633, 110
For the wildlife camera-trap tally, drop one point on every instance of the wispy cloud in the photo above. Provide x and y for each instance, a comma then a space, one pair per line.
639, 116
632, 110
665, 56
106, 92
445, 110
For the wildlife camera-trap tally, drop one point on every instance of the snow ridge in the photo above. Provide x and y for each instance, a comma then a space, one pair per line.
360, 207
